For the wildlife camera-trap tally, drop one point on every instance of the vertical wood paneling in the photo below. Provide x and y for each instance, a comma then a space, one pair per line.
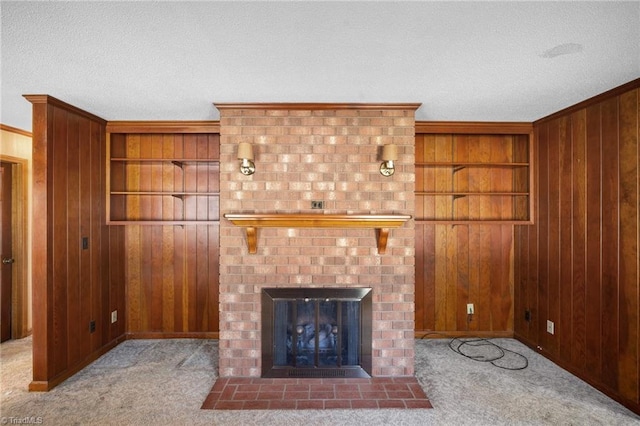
594, 264
588, 235
88, 276
461, 268
464, 263
178, 276
553, 239
629, 274
71, 285
73, 237
191, 285
533, 262
579, 231
172, 271
180, 322
543, 229
609, 248
565, 276
59, 241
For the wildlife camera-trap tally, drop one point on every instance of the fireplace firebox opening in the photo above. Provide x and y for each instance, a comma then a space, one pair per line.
316, 332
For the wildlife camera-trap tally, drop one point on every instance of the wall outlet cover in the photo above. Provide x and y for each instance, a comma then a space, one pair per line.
470, 309
550, 327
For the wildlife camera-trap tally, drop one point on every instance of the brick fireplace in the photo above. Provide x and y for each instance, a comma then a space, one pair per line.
328, 153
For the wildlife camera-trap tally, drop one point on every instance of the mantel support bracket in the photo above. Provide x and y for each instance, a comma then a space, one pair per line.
382, 235
252, 239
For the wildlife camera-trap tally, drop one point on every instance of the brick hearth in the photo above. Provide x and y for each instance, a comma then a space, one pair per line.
305, 394
329, 154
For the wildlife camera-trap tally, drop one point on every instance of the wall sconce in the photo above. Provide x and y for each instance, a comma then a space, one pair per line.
389, 155
245, 154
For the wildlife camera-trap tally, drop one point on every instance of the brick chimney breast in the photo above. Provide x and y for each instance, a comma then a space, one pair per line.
317, 152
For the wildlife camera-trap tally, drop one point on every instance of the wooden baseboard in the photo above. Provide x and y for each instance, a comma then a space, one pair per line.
611, 393
430, 334
173, 335
47, 385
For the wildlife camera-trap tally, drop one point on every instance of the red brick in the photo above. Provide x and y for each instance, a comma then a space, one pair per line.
256, 405
229, 405
321, 394
296, 395
282, 404
270, 395
337, 403
418, 403
363, 403
374, 395
391, 403
245, 396
310, 405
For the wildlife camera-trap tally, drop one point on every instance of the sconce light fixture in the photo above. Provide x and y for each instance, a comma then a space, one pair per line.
245, 154
389, 155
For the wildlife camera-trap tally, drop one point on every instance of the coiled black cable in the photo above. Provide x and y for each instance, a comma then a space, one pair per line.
496, 354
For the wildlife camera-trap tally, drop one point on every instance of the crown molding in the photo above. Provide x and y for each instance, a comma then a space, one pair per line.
163, 127
318, 106
474, 127
15, 130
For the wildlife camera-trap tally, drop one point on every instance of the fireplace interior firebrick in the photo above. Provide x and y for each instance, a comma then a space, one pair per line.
316, 332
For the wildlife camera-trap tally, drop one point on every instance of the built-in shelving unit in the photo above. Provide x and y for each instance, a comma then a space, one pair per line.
382, 224
161, 180
474, 177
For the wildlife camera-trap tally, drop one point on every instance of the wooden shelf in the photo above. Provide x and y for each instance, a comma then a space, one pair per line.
251, 222
147, 185
163, 222
474, 177
164, 193
177, 161
457, 164
472, 194
473, 222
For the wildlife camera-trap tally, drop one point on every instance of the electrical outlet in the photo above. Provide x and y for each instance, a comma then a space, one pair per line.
85, 243
114, 316
550, 327
92, 326
470, 310
527, 315
317, 204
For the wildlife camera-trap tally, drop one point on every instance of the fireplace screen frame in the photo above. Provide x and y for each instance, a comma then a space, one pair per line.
269, 298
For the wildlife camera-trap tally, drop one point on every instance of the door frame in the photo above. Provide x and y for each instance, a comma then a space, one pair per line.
21, 240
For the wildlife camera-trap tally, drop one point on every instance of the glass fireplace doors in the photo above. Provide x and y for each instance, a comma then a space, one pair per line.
316, 332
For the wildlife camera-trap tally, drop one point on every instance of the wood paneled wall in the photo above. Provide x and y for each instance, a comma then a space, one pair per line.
578, 266
457, 264
460, 264
72, 286
172, 280
172, 274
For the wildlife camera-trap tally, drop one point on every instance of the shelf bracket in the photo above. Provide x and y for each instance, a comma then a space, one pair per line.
382, 235
252, 239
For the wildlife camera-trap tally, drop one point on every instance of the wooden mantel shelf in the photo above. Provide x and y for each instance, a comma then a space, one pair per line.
382, 223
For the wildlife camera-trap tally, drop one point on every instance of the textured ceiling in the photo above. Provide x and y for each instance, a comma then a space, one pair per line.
471, 61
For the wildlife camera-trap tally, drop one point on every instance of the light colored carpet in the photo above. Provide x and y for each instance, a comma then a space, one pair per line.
165, 382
